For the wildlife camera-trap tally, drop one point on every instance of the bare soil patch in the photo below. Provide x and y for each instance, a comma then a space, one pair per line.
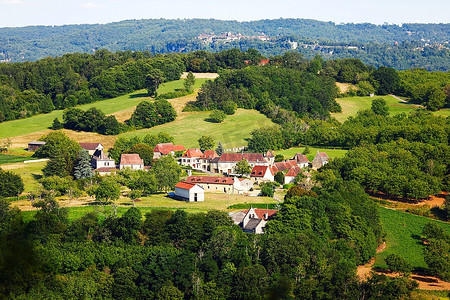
201, 75
344, 87
425, 282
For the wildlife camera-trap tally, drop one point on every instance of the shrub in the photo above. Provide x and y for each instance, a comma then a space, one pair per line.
216, 116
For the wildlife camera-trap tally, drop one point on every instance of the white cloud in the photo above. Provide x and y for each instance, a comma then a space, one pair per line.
12, 2
88, 5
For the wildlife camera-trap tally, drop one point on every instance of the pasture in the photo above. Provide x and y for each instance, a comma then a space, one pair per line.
9, 158
351, 105
189, 127
43, 122
403, 236
29, 172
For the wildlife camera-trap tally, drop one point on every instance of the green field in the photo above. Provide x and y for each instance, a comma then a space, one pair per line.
403, 232
29, 172
332, 153
160, 201
8, 159
351, 105
189, 127
44, 121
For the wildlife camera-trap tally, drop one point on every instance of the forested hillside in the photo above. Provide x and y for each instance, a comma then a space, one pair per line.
401, 47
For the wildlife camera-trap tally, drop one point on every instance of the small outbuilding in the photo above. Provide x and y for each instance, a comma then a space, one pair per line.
191, 192
33, 146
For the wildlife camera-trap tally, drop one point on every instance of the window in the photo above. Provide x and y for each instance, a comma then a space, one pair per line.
195, 196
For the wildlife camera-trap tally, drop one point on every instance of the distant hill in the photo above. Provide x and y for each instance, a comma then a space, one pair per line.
402, 47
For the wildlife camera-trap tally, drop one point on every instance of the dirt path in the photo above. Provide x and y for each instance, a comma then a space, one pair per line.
398, 98
364, 271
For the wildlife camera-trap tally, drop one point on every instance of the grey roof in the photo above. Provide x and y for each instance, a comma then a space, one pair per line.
252, 224
237, 217
37, 143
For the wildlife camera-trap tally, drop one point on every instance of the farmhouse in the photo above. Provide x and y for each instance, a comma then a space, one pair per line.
33, 146
189, 191
92, 148
191, 158
285, 165
100, 160
132, 161
253, 220
227, 162
227, 185
320, 160
302, 160
207, 158
165, 149
263, 173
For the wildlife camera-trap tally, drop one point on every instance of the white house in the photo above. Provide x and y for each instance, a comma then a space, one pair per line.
263, 173
191, 192
132, 161
302, 160
191, 158
100, 160
253, 220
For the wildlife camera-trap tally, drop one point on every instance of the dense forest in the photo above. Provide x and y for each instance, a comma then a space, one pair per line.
310, 251
401, 47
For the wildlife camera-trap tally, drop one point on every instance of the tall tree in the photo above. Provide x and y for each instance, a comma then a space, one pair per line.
167, 172
206, 142
152, 81
243, 167
379, 107
189, 81
219, 149
82, 168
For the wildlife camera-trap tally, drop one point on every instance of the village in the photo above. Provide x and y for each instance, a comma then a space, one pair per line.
219, 174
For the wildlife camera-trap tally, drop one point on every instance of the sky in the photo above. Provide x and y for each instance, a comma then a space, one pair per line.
18, 13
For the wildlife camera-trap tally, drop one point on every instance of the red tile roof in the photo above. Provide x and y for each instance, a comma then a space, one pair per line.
185, 185
131, 159
193, 152
260, 171
300, 158
235, 157
89, 146
285, 165
211, 180
179, 148
261, 212
167, 148
210, 154
293, 171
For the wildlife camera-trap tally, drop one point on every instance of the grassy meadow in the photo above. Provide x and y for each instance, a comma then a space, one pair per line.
351, 105
332, 153
403, 232
9, 158
29, 172
44, 121
189, 127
